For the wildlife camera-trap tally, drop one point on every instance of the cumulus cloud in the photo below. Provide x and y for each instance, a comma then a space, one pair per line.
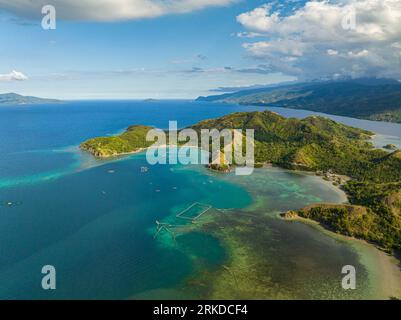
108, 10
332, 52
13, 76
328, 38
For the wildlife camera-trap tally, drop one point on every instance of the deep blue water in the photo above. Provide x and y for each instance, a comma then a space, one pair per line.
93, 224
92, 219
36, 132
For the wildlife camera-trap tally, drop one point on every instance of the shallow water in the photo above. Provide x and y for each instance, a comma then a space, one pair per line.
302, 263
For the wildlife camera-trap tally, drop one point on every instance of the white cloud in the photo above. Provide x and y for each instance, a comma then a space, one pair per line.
260, 19
108, 10
311, 41
332, 52
396, 45
359, 54
13, 76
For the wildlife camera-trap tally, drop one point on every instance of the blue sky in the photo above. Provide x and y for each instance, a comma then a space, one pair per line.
173, 55
159, 57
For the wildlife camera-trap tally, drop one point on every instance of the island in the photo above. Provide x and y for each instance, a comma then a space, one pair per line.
16, 99
344, 155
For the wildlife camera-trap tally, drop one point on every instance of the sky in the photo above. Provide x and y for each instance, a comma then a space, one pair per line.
138, 49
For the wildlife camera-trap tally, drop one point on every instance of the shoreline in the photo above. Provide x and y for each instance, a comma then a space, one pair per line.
104, 157
330, 183
262, 166
384, 269
140, 150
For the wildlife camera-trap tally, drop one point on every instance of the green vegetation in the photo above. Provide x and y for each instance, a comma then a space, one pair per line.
384, 203
374, 99
220, 167
390, 116
355, 221
376, 211
320, 144
132, 140
390, 147
314, 144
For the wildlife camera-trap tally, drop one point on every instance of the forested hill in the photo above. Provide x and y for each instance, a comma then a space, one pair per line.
322, 145
374, 99
315, 144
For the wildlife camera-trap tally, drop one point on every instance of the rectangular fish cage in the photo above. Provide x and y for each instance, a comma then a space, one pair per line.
195, 211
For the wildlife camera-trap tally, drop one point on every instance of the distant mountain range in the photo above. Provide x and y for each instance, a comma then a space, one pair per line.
16, 99
367, 98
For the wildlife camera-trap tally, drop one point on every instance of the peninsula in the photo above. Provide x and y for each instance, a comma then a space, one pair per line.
314, 144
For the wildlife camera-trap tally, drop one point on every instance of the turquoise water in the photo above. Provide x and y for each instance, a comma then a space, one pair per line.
93, 219
92, 226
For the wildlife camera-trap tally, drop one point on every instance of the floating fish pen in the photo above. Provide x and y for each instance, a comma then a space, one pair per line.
190, 214
164, 227
194, 211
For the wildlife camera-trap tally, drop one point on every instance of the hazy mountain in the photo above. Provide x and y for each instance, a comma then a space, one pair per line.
368, 98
